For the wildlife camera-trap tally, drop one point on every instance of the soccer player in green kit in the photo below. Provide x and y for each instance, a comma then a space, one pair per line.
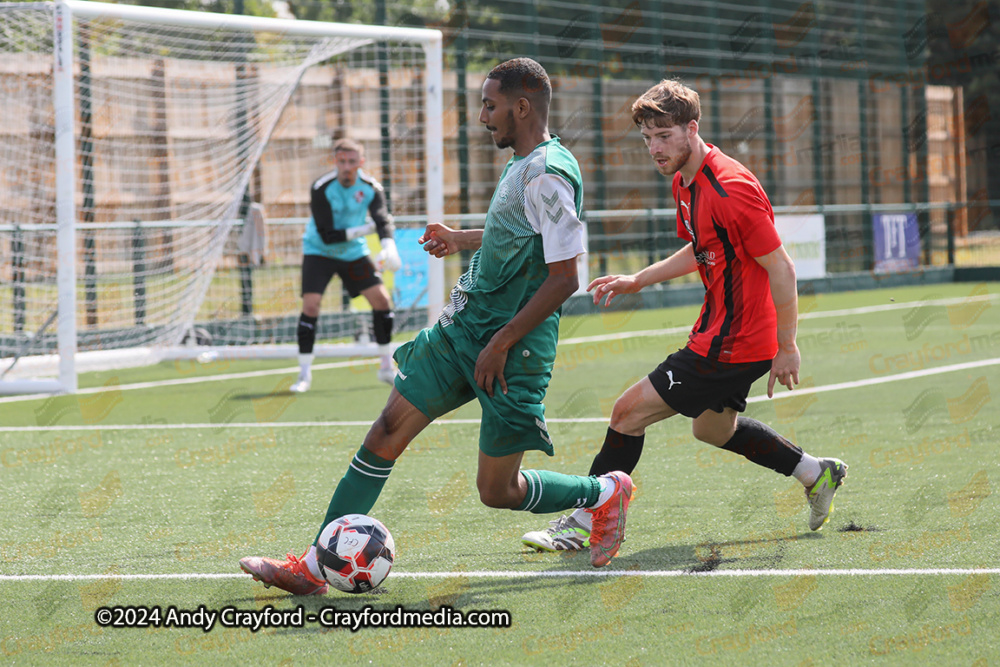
495, 341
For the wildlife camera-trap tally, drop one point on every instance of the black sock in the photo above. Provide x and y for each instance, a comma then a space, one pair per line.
382, 325
306, 333
619, 452
762, 445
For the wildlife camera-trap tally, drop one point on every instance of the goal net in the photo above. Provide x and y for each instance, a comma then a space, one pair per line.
155, 178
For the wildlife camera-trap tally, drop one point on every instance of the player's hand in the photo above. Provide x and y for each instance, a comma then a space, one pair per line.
489, 368
388, 258
784, 369
439, 240
612, 286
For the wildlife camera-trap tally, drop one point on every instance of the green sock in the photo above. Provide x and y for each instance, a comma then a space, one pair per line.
553, 492
359, 488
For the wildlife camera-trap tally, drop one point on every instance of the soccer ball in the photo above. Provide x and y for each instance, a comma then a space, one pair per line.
355, 553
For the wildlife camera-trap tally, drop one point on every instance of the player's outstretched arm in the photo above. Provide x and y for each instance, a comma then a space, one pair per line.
441, 240
612, 286
679, 264
781, 275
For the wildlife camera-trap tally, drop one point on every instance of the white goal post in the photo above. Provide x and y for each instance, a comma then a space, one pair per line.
134, 143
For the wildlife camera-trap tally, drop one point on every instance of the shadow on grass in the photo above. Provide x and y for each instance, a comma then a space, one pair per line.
556, 572
317, 389
764, 552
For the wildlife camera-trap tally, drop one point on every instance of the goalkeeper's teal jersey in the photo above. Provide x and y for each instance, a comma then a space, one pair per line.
533, 219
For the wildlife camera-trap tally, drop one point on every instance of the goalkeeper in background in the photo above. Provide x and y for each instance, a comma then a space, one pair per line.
334, 243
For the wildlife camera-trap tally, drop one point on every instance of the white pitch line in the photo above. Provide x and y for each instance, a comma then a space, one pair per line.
854, 384
820, 314
552, 420
196, 380
565, 342
862, 310
518, 574
169, 427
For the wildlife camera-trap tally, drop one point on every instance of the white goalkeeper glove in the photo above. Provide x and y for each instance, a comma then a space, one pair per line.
364, 230
388, 258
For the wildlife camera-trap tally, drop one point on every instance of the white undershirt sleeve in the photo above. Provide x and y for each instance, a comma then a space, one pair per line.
551, 210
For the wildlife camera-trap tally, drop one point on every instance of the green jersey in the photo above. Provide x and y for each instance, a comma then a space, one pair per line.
533, 220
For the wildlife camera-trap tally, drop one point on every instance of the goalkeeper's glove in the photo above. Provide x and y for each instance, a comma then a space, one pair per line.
362, 230
388, 258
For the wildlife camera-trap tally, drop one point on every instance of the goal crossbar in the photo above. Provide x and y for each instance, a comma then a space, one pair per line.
180, 17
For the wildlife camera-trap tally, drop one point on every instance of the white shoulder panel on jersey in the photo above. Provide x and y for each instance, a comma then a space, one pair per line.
551, 210
325, 178
371, 180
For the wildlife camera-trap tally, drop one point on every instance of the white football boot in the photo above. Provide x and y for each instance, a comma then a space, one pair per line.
820, 494
563, 534
302, 385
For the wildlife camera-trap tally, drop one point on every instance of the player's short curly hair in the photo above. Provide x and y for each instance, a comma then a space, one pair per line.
666, 104
524, 76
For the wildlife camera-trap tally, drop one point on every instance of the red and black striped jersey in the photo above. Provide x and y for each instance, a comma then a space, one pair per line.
725, 213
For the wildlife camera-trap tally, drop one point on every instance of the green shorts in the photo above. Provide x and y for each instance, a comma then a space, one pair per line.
437, 375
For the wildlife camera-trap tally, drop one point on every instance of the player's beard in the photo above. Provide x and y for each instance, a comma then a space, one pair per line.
676, 163
505, 141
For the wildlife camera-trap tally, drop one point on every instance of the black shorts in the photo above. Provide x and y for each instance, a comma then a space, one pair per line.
690, 384
357, 276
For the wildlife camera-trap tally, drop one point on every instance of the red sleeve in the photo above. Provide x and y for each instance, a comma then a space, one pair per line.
753, 218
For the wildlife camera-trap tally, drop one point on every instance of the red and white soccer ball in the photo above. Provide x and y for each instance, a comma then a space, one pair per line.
355, 553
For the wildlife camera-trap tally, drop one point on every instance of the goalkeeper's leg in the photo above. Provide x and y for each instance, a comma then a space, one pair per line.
306, 334
382, 320
317, 272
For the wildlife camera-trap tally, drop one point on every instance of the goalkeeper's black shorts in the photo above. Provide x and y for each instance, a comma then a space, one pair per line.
357, 276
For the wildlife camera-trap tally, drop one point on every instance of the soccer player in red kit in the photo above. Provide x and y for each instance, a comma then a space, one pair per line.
746, 328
